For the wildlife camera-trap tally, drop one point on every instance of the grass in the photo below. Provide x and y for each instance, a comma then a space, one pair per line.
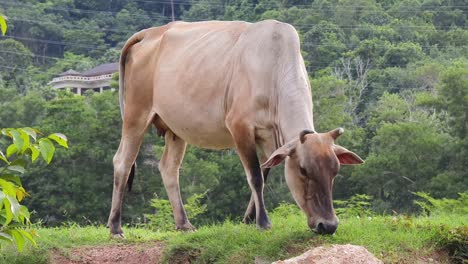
65, 238
396, 239
392, 239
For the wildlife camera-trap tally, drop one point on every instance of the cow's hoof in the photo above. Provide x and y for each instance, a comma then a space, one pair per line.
248, 220
186, 228
119, 236
264, 225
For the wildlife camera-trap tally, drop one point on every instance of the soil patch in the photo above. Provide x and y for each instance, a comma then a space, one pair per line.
116, 254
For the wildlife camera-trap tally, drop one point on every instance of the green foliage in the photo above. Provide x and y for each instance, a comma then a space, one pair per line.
285, 210
430, 205
454, 241
357, 206
163, 220
25, 146
3, 25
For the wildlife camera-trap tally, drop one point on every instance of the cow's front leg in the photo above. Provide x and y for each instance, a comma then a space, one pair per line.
169, 167
244, 138
250, 213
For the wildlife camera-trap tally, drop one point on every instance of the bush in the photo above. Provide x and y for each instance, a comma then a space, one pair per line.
357, 206
26, 146
431, 205
163, 219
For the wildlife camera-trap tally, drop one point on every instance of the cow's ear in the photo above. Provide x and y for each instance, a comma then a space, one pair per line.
347, 157
280, 154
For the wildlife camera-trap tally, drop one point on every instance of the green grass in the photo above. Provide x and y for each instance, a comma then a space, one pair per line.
65, 238
393, 239
396, 239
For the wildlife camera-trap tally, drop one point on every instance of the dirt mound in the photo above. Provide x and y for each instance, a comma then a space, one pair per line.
115, 254
336, 254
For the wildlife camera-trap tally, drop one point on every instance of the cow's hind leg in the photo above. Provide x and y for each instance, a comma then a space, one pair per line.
244, 138
132, 136
169, 166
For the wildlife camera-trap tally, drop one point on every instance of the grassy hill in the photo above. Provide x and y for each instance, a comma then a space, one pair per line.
393, 239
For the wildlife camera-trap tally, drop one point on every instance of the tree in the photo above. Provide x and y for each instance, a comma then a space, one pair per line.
14, 51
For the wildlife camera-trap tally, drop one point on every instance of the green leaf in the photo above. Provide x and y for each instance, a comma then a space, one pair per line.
17, 139
61, 139
8, 187
47, 149
31, 132
19, 239
12, 149
2, 197
25, 212
2, 157
14, 205
3, 25
27, 235
8, 212
17, 168
34, 152
11, 178
5, 236
25, 138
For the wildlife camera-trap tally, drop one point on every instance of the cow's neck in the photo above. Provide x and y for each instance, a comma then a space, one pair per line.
294, 106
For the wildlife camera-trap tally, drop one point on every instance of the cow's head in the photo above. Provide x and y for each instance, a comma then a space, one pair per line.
312, 162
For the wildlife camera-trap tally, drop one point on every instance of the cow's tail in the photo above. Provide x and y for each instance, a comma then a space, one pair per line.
137, 37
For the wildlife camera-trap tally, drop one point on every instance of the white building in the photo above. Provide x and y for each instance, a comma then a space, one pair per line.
96, 79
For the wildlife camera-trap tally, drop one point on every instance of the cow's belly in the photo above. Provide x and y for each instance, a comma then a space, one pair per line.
199, 125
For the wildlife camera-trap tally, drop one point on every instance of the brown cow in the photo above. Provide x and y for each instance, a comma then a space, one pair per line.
221, 85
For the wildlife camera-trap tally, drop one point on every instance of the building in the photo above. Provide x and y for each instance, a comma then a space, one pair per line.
96, 79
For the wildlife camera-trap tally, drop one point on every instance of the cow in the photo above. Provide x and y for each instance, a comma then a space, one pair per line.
218, 85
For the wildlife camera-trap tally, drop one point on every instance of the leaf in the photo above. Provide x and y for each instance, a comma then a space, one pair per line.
14, 205
29, 235
25, 212
17, 168
47, 149
8, 212
34, 152
20, 193
61, 139
17, 139
8, 187
12, 149
31, 132
3, 25
11, 178
2, 197
2, 157
5, 236
19, 239
26, 141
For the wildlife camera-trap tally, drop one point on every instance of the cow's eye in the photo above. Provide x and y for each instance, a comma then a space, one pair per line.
303, 171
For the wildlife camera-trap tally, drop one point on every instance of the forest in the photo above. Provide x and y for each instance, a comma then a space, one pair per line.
393, 73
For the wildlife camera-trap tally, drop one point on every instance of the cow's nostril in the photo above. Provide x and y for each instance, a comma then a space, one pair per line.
320, 228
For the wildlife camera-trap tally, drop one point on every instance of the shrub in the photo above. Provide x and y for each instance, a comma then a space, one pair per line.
357, 206
163, 219
431, 205
14, 217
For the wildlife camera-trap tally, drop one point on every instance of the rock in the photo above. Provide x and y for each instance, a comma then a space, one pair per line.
336, 254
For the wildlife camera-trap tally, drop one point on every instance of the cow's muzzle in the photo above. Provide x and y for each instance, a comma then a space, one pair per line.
324, 227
